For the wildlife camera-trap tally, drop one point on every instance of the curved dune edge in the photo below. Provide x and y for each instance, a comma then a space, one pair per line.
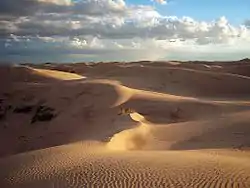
60, 75
135, 138
131, 139
125, 93
229, 132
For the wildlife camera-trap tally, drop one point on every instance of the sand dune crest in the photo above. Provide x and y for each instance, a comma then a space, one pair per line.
131, 139
57, 74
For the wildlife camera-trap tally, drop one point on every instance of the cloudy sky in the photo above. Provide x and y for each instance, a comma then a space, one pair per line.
123, 30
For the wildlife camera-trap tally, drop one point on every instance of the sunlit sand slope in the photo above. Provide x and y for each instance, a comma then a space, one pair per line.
57, 74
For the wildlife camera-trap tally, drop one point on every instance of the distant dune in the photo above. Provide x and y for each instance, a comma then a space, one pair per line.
138, 124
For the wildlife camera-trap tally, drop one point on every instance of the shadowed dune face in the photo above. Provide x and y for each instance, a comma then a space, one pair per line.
188, 79
80, 109
186, 82
77, 109
173, 111
240, 70
21, 74
178, 80
231, 132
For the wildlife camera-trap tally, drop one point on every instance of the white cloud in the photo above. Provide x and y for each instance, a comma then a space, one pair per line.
163, 2
96, 17
58, 2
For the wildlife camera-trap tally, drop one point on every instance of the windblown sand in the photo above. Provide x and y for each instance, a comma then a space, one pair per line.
125, 125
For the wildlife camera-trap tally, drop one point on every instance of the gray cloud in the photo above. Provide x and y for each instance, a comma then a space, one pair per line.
17, 8
247, 23
14, 8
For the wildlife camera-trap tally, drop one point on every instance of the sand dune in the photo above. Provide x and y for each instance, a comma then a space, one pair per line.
187, 79
91, 165
57, 74
230, 131
141, 124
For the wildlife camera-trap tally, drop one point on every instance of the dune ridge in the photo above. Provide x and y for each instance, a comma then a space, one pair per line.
57, 74
113, 125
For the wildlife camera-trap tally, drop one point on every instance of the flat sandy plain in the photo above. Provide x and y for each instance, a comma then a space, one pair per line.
138, 124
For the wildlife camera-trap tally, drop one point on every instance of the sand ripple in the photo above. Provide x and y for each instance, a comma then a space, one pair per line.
92, 165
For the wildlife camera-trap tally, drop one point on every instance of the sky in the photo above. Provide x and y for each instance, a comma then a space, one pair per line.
36, 31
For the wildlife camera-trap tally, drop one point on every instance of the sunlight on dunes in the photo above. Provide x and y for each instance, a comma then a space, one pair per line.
117, 129
131, 139
60, 75
137, 117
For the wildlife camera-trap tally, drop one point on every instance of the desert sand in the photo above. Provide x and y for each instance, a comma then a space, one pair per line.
137, 124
